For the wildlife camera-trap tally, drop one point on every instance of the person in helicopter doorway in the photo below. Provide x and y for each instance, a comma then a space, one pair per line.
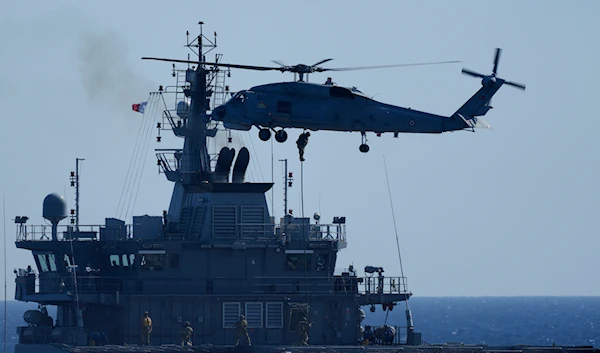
241, 329
302, 329
301, 143
146, 329
186, 334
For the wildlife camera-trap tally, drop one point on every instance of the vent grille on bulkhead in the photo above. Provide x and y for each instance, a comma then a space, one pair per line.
253, 219
224, 221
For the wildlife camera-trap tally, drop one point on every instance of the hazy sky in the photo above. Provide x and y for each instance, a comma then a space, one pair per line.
513, 211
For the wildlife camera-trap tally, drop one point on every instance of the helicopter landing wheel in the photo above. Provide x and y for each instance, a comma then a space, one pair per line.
264, 134
364, 148
281, 136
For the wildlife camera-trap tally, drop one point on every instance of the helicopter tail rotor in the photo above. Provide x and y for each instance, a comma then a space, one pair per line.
487, 79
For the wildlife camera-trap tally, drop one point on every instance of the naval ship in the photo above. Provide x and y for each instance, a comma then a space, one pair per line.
214, 256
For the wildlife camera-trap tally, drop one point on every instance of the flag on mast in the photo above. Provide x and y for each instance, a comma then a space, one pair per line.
139, 107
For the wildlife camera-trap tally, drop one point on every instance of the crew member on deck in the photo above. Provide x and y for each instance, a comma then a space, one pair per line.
241, 330
302, 330
186, 334
146, 329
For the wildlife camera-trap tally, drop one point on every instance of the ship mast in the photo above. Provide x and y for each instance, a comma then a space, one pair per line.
75, 183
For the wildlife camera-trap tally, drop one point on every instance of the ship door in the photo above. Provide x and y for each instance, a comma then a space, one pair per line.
297, 312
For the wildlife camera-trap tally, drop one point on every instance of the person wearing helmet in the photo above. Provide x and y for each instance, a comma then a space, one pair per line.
146, 329
186, 334
302, 329
301, 143
241, 329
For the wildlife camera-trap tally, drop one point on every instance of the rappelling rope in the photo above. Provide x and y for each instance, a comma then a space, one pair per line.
395, 229
304, 239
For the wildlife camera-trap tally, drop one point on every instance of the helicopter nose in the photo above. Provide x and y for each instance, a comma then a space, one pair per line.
219, 112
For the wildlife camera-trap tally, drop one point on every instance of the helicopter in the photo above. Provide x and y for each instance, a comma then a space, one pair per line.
327, 106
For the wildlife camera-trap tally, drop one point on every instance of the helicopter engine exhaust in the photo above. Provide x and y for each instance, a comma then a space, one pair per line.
241, 164
224, 165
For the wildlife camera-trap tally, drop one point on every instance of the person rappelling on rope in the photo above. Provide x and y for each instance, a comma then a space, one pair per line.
302, 142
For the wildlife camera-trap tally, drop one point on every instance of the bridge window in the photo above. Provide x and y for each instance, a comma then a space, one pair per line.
295, 262
52, 262
67, 261
152, 262
47, 262
231, 314
274, 315
254, 314
43, 262
131, 259
321, 262
115, 261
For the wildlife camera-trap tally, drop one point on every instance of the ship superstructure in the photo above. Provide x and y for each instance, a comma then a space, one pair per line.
214, 255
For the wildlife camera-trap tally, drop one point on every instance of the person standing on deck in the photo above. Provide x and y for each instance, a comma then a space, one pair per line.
146, 329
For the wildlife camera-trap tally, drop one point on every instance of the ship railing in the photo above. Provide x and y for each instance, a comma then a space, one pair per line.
312, 232
332, 285
56, 283
382, 285
68, 232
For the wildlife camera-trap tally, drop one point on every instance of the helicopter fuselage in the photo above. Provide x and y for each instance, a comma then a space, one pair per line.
325, 107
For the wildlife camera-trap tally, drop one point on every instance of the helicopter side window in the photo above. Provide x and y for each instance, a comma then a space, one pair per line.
238, 98
284, 107
340, 92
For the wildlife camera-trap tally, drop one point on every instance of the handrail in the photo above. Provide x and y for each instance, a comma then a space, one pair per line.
247, 231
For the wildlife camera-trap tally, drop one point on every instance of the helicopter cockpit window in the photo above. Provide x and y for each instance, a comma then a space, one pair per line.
340, 92
238, 98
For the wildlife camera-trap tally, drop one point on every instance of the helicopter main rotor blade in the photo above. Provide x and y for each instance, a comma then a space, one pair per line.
473, 73
236, 66
496, 60
515, 84
321, 62
278, 62
318, 69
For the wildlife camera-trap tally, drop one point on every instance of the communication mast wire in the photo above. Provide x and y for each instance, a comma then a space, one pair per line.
5, 299
395, 227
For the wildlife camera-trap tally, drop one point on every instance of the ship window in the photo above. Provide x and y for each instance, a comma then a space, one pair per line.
274, 315
295, 262
114, 261
231, 314
321, 262
254, 314
67, 261
173, 260
152, 262
52, 262
131, 259
284, 107
43, 263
